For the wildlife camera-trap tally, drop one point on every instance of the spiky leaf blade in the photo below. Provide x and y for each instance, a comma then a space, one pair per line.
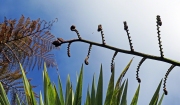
70, 102
110, 89
99, 94
28, 89
68, 85
40, 99
124, 96
60, 91
136, 95
17, 100
116, 95
155, 96
3, 97
123, 73
78, 93
93, 91
160, 101
52, 95
88, 99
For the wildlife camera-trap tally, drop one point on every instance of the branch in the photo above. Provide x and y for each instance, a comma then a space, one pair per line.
147, 56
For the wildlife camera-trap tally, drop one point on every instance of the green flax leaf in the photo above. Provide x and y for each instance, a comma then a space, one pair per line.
3, 97
17, 100
99, 94
160, 101
123, 73
88, 99
68, 85
60, 91
78, 93
136, 95
156, 95
40, 99
28, 89
69, 102
110, 89
93, 91
124, 96
115, 100
52, 95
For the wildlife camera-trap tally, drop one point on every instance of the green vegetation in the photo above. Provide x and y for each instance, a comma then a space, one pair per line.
116, 93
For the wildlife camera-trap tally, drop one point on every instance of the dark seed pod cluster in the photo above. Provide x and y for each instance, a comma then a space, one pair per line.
68, 49
165, 79
138, 67
129, 37
86, 59
56, 43
159, 23
102, 34
112, 61
73, 28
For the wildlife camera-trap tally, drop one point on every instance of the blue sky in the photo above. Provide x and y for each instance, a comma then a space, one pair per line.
87, 15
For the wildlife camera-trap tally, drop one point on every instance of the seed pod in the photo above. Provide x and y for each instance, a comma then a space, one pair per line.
68, 49
125, 25
73, 27
165, 91
99, 28
56, 43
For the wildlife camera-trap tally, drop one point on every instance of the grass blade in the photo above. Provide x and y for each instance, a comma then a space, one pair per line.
124, 96
68, 85
136, 95
40, 99
99, 94
93, 91
51, 97
156, 94
115, 100
28, 89
78, 93
123, 73
60, 91
160, 101
70, 102
17, 100
88, 99
4, 100
110, 89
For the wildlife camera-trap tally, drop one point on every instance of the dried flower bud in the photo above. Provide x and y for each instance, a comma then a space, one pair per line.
73, 27
159, 23
165, 91
99, 28
56, 43
125, 25
139, 80
86, 61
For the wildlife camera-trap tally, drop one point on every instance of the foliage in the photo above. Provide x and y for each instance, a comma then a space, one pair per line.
25, 41
115, 95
